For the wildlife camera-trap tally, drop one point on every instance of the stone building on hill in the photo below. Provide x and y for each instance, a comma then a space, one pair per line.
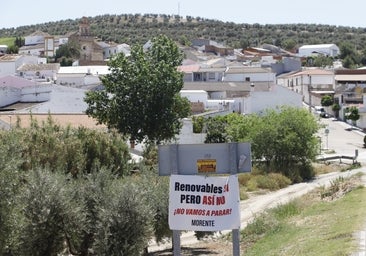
91, 53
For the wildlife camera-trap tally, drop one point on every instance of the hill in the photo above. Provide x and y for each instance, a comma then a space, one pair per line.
137, 28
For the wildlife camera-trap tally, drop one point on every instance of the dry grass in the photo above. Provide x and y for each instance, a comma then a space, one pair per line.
73, 120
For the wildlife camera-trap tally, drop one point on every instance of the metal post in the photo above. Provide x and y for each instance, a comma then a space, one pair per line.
309, 91
236, 242
233, 158
174, 169
176, 243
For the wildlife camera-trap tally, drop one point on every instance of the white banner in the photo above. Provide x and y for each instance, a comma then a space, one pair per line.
204, 203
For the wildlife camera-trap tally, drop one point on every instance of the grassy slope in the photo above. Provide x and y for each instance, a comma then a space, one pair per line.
314, 227
7, 41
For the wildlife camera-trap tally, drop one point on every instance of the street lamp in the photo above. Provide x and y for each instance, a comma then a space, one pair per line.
326, 131
309, 92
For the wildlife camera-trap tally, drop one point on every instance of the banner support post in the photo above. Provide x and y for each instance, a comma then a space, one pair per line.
174, 170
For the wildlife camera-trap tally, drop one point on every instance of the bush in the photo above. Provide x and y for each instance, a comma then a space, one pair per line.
281, 180
284, 211
48, 216
301, 172
9, 185
72, 150
244, 178
272, 181
155, 191
125, 226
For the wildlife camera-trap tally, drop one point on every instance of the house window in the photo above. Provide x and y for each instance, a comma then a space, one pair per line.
247, 79
197, 77
211, 76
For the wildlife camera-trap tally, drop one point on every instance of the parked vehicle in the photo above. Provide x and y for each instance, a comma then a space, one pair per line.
319, 110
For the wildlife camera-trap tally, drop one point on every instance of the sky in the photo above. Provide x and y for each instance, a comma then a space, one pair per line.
327, 12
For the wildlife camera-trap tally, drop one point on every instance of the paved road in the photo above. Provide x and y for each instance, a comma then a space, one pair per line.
342, 138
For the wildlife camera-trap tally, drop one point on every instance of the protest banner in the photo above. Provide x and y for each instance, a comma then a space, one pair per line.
204, 203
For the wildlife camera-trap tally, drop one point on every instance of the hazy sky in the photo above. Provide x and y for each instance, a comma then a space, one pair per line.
331, 12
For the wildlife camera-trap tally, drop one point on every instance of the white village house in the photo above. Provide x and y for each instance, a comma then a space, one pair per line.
46, 72
15, 89
331, 50
79, 76
312, 84
9, 63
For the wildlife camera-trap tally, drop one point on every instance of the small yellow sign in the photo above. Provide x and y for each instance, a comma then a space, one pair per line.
206, 165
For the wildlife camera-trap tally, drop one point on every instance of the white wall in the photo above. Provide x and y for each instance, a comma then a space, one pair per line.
331, 50
10, 67
33, 51
70, 79
186, 135
62, 40
7, 68
8, 96
46, 74
277, 96
91, 80
38, 93
218, 95
30, 40
220, 105
300, 83
195, 95
253, 77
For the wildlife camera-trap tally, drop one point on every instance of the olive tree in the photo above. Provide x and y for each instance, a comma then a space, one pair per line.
141, 97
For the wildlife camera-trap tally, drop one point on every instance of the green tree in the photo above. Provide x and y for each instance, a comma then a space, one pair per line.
68, 51
289, 44
335, 109
349, 62
346, 49
216, 130
322, 61
19, 42
349, 55
198, 124
141, 97
13, 49
284, 140
327, 101
352, 114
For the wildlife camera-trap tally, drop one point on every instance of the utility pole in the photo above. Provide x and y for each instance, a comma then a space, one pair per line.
309, 92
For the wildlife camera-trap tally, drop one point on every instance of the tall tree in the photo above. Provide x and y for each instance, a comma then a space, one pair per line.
141, 97
284, 140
